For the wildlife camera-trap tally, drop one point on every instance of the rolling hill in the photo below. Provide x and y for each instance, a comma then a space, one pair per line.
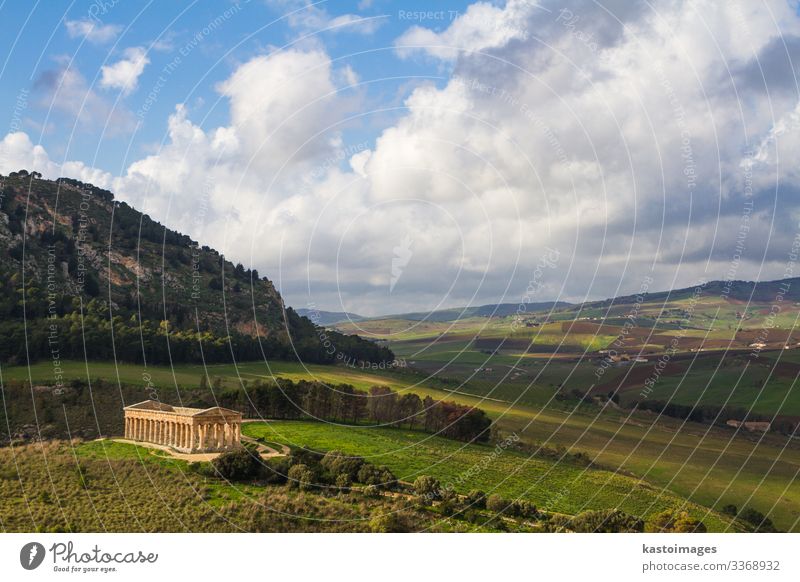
87, 274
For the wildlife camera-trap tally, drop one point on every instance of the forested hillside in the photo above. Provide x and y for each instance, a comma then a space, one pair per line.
84, 274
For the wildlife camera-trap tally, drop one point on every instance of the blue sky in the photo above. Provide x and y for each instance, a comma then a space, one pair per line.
387, 156
42, 42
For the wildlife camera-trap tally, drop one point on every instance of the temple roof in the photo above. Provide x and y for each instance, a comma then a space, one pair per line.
157, 406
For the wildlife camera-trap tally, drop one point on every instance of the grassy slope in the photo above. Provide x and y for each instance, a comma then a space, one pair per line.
710, 466
560, 487
126, 488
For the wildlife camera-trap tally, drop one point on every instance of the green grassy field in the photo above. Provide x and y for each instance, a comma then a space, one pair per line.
754, 386
103, 486
553, 486
711, 466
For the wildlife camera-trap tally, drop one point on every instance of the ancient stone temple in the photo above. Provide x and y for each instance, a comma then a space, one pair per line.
188, 430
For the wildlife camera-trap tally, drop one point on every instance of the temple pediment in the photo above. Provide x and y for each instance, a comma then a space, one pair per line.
151, 405
216, 411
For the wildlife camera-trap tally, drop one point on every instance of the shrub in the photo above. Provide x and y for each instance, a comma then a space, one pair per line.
300, 476
729, 509
336, 462
238, 465
758, 520
394, 522
343, 481
371, 491
522, 508
496, 504
675, 521
606, 521
276, 470
476, 499
377, 476
427, 489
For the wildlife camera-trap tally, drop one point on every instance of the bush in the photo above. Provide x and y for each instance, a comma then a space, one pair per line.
675, 521
276, 470
606, 521
522, 508
300, 476
729, 509
377, 476
336, 462
758, 520
371, 491
238, 465
496, 504
394, 522
343, 481
476, 499
427, 489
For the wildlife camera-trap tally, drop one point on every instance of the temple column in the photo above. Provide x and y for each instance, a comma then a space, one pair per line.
227, 435
139, 429
203, 428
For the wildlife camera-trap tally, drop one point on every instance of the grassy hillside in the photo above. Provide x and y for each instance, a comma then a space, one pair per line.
712, 466
554, 486
102, 486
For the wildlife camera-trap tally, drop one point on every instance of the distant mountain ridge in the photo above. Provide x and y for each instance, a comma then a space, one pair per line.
743, 291
489, 310
329, 317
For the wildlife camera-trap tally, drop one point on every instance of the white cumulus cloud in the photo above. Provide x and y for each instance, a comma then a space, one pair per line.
94, 32
124, 74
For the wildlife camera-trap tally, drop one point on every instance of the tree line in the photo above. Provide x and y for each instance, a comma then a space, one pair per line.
713, 414
286, 400
96, 334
